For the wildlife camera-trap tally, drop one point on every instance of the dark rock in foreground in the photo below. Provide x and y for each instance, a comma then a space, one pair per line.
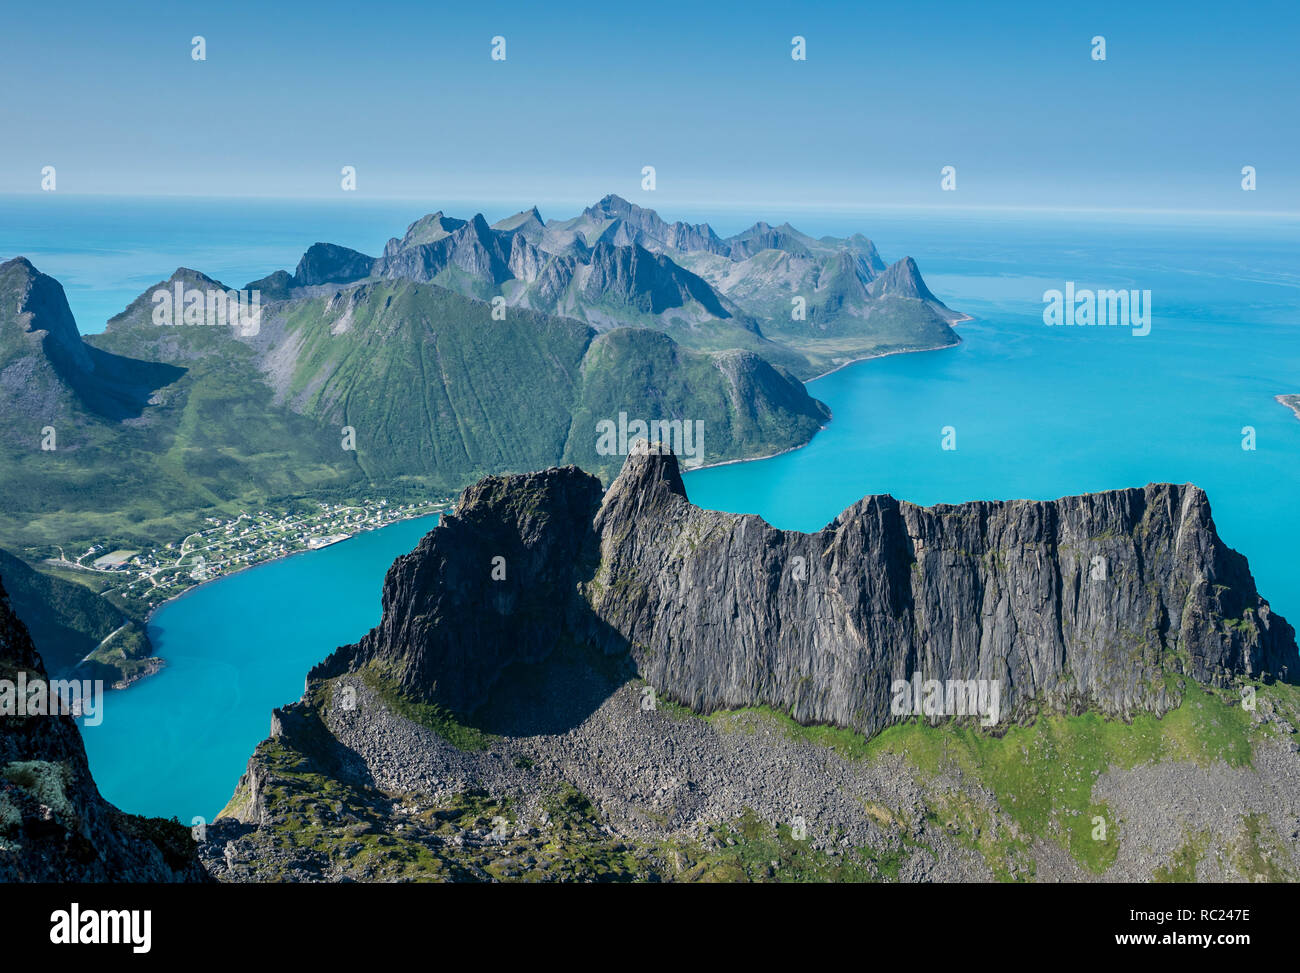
1086, 602
54, 825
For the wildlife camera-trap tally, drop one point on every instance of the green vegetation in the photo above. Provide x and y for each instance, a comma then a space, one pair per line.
1042, 775
1183, 866
437, 395
430, 715
752, 850
1258, 849
44, 780
70, 622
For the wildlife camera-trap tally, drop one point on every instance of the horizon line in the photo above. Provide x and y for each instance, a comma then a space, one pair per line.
690, 203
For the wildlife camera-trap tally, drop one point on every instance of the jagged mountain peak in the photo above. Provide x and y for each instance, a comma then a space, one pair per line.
35, 302
19, 263
612, 204
650, 473
187, 275
902, 279
329, 263
429, 229
528, 220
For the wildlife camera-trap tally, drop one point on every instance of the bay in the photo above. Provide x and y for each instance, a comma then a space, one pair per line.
176, 743
1037, 412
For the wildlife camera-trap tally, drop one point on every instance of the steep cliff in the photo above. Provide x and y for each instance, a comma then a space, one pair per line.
1081, 603
54, 825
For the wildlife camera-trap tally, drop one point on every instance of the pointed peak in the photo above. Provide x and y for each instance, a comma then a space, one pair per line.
19, 263
186, 275
651, 471
429, 228
614, 205
525, 219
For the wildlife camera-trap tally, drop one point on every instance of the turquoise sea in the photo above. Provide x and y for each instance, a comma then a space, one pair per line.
176, 743
1038, 412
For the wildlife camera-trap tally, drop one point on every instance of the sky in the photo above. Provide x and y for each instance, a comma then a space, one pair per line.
589, 93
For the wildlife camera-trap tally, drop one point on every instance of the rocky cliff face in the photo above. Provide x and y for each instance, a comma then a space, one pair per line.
634, 276
54, 826
1084, 602
902, 279
49, 375
325, 263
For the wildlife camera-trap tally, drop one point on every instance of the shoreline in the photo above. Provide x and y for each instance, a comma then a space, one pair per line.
855, 361
1291, 400
283, 557
152, 612
896, 351
885, 354
159, 663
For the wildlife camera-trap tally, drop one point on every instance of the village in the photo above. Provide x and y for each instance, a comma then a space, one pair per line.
150, 577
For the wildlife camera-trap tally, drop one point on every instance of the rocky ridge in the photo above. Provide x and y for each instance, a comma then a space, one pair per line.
515, 714
1082, 603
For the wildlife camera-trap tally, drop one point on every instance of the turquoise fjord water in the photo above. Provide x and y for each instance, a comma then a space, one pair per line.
176, 743
1039, 412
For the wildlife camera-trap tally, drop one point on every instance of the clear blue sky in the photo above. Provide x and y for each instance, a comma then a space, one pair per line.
705, 92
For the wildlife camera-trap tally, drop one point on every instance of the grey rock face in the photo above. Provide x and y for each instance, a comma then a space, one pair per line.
54, 825
634, 275
902, 279
1083, 602
42, 308
328, 263
473, 248
484, 590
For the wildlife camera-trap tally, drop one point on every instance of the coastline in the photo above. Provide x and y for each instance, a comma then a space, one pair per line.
275, 560
148, 618
897, 351
748, 459
855, 361
1291, 400
156, 663
886, 354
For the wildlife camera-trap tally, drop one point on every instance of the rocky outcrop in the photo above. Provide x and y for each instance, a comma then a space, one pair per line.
472, 248
634, 224
632, 275
1086, 602
54, 825
49, 376
490, 587
328, 263
902, 279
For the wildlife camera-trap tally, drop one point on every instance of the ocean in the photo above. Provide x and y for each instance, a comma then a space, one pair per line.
1032, 411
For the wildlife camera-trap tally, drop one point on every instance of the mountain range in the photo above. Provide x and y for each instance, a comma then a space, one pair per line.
464, 350
618, 264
